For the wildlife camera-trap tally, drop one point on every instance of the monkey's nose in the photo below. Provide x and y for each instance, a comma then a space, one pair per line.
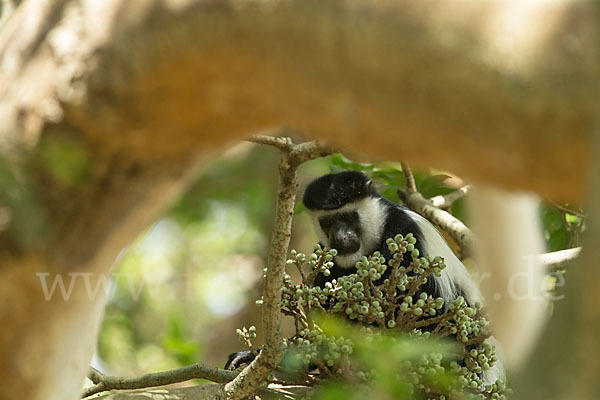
346, 244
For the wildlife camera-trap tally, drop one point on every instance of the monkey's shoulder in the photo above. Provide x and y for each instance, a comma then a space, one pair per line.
399, 220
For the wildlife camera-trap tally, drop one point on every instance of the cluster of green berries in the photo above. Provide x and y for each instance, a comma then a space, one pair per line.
383, 293
424, 305
245, 335
465, 324
320, 260
304, 295
400, 245
349, 296
313, 346
465, 379
372, 267
300, 295
427, 374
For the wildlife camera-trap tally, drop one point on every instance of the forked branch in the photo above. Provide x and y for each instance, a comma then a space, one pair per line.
292, 155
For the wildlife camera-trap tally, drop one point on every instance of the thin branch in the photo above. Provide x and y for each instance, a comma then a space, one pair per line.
463, 235
196, 371
307, 151
411, 186
272, 391
558, 259
445, 202
282, 143
566, 209
442, 219
249, 380
95, 376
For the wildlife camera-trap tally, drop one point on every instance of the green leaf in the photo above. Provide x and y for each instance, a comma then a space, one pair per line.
390, 176
433, 185
573, 219
341, 161
459, 210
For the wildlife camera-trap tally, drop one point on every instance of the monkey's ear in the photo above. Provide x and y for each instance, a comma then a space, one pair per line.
370, 186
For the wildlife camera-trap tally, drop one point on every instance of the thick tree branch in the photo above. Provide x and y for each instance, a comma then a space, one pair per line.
296, 59
143, 88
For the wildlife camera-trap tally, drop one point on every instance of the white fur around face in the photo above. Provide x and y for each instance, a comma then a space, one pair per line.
372, 221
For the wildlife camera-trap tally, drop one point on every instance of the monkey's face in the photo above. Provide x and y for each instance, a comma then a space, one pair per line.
343, 231
354, 229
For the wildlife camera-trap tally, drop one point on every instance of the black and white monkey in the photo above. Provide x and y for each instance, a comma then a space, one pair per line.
349, 215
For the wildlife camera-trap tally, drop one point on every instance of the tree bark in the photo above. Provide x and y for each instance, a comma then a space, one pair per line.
142, 89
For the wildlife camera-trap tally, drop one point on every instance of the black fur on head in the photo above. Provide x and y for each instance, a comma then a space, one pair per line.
333, 191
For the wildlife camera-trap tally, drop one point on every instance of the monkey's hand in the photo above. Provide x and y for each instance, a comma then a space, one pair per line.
240, 359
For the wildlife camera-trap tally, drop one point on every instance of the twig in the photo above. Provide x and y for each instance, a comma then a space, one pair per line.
249, 380
558, 259
196, 371
411, 186
282, 143
442, 219
465, 238
463, 235
445, 202
566, 209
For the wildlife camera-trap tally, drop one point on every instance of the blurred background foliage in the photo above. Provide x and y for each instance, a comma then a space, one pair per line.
192, 278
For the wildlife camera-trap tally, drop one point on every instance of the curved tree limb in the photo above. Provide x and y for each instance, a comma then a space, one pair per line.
104, 382
320, 67
143, 88
462, 235
207, 392
442, 219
